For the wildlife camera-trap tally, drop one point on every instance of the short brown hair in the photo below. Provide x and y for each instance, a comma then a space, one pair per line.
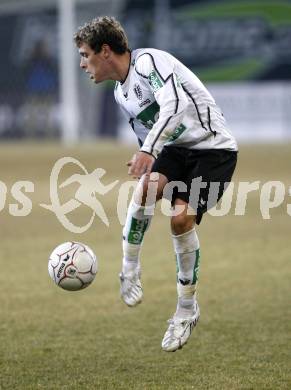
102, 30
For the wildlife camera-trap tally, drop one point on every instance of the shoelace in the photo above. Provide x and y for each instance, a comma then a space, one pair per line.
177, 321
172, 328
173, 322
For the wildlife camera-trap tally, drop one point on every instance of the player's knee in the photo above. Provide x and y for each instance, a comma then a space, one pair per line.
140, 194
147, 192
182, 223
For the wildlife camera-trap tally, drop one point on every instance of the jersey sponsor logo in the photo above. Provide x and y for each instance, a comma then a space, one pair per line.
155, 81
178, 131
149, 116
137, 91
147, 101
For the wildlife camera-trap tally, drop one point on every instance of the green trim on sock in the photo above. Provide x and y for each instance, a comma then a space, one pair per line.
137, 230
196, 266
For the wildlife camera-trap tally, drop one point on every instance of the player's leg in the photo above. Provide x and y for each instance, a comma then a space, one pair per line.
139, 215
187, 250
213, 167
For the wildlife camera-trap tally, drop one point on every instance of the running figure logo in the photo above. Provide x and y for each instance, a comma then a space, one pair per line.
90, 185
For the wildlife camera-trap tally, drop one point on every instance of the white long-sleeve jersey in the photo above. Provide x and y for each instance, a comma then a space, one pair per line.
166, 104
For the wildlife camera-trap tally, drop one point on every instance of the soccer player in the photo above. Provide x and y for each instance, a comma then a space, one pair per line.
183, 138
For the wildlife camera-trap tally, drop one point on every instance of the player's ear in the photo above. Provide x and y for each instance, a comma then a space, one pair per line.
106, 51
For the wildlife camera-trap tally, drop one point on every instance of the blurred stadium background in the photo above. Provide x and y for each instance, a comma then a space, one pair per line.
240, 49
50, 339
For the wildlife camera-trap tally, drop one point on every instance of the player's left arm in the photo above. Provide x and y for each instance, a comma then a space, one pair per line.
170, 96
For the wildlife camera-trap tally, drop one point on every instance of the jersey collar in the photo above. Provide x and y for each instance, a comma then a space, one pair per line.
124, 84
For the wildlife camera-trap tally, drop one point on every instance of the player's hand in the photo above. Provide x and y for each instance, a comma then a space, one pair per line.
129, 163
140, 164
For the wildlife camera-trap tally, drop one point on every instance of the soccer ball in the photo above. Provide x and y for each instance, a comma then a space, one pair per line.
72, 266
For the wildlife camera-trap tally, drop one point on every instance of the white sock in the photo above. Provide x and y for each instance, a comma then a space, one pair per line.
187, 255
137, 223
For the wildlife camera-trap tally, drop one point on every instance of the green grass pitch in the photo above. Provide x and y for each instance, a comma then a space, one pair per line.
54, 339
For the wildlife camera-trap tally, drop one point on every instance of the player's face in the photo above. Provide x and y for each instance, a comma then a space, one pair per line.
96, 64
